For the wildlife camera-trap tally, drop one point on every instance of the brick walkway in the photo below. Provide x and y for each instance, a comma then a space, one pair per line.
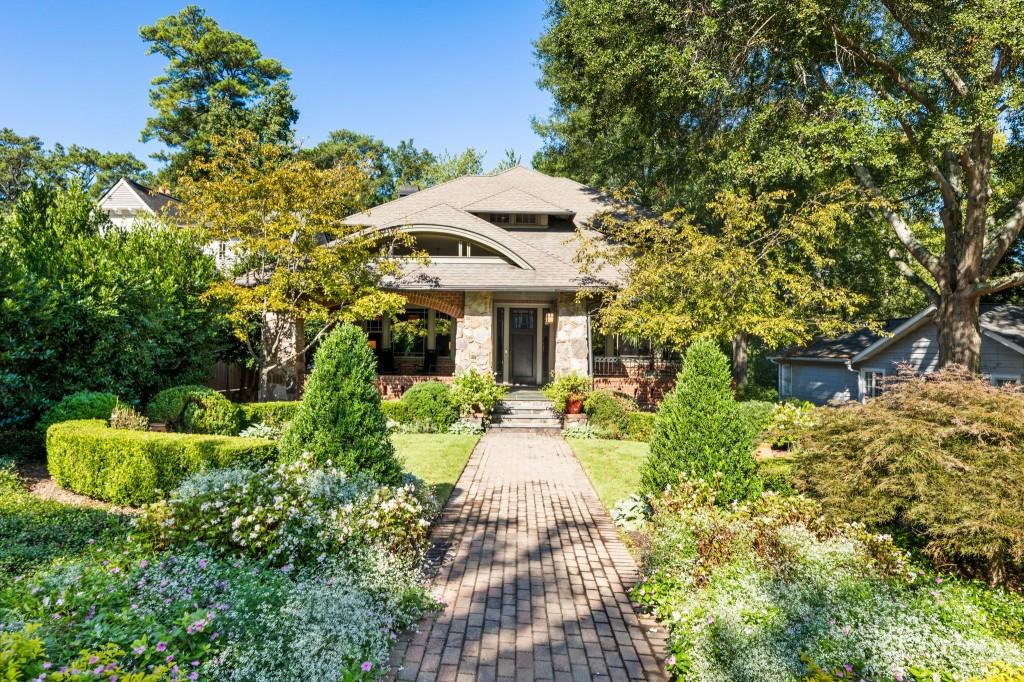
534, 577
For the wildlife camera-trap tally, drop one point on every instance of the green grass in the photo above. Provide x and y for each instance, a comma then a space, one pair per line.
612, 465
34, 532
437, 458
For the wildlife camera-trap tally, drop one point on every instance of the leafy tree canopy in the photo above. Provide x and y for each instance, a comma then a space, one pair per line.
215, 81
24, 161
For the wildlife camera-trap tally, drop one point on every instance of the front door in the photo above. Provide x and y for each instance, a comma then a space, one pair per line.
522, 344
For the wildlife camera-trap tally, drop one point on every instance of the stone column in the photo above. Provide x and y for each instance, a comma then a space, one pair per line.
474, 343
283, 364
571, 353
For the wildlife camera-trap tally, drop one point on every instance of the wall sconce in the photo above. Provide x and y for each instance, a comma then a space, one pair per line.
549, 318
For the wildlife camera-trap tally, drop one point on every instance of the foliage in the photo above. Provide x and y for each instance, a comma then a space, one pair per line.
609, 412
261, 430
778, 586
430, 404
22, 445
276, 211
466, 427
394, 410
24, 162
89, 306
211, 413
273, 413
566, 386
939, 456
757, 415
700, 431
33, 531
917, 103
81, 405
790, 420
580, 431
132, 467
476, 392
631, 513
127, 417
168, 406
287, 514
640, 425
216, 82
340, 419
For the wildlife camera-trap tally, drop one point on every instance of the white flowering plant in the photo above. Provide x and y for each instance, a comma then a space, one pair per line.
771, 590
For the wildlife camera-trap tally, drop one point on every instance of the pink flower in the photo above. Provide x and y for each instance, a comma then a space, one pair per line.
671, 660
366, 666
847, 629
161, 646
94, 659
938, 579
202, 563
193, 675
139, 650
143, 564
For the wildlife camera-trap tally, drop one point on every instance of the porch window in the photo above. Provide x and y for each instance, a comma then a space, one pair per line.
443, 337
409, 345
1001, 380
375, 333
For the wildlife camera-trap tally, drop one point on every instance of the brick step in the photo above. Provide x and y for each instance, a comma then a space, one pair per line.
516, 421
541, 410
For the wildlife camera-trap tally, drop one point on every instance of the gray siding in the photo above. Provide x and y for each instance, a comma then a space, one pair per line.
920, 350
820, 382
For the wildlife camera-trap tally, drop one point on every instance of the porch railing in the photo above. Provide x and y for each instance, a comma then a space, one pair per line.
633, 365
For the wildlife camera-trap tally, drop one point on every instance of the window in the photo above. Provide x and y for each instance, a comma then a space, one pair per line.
443, 341
410, 343
526, 219
785, 380
1001, 380
501, 218
375, 333
874, 382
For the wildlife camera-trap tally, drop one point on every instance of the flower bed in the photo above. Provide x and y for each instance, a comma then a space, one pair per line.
131, 467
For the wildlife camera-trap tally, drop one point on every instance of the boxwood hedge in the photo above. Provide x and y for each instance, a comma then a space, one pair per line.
132, 467
274, 413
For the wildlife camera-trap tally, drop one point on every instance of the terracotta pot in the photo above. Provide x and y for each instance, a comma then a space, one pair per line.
573, 405
158, 427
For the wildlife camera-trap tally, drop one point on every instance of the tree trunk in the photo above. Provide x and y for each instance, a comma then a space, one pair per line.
739, 362
956, 317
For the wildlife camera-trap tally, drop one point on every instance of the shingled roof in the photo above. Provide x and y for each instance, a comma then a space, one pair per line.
1003, 320
544, 257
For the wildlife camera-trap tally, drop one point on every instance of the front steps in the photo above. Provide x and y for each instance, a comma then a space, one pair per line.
527, 409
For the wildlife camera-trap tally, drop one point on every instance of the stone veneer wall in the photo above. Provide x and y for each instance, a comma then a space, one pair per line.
571, 336
474, 344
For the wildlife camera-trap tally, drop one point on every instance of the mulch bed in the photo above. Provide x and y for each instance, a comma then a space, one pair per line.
39, 483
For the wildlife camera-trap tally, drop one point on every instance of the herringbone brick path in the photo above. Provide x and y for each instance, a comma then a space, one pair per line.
535, 577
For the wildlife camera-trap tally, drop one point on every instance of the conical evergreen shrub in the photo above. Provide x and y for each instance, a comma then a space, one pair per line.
340, 417
700, 432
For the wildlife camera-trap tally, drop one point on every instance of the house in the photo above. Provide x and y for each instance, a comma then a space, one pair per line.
854, 366
128, 201
499, 293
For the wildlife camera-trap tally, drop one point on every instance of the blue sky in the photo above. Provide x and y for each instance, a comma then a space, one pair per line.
448, 74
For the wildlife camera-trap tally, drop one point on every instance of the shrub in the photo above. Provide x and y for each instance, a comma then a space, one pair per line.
699, 431
288, 514
84, 405
340, 419
276, 413
565, 386
609, 412
474, 392
211, 413
394, 410
430, 403
757, 415
580, 431
466, 427
639, 426
22, 445
128, 418
941, 456
783, 590
790, 420
168, 406
131, 467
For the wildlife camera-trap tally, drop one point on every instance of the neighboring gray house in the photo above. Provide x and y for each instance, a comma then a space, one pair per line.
854, 365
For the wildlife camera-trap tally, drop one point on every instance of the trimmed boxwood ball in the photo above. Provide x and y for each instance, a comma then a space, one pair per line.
430, 402
340, 419
133, 467
168, 406
81, 405
701, 433
212, 413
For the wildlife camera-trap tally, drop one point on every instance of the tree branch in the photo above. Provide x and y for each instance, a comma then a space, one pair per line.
918, 250
913, 277
997, 285
1004, 236
894, 74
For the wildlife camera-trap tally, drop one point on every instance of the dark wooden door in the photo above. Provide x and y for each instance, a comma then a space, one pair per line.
522, 344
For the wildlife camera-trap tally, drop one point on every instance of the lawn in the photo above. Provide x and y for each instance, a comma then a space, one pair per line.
437, 458
612, 465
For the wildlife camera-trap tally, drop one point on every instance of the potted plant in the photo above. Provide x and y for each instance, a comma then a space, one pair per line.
574, 403
567, 393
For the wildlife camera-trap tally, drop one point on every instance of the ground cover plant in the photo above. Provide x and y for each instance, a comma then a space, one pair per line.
770, 589
939, 458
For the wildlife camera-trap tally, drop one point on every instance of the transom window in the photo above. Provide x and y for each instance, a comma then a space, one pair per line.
444, 246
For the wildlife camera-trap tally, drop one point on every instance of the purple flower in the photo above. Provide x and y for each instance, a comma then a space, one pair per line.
143, 564
202, 563
161, 646
848, 668
47, 665
193, 675
366, 666
670, 661
195, 664
94, 659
